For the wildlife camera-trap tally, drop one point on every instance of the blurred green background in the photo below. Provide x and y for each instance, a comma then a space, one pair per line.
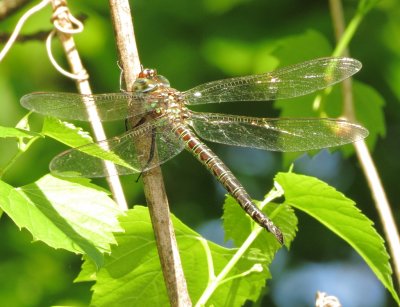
192, 42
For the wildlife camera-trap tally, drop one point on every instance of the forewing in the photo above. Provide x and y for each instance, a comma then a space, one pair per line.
287, 82
281, 134
73, 106
124, 152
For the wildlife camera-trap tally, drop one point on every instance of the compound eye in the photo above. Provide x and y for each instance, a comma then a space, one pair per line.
147, 73
143, 85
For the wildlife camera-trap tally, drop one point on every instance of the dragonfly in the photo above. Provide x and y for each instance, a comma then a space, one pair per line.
153, 110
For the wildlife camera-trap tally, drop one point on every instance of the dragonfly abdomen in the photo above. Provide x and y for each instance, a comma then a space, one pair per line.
204, 154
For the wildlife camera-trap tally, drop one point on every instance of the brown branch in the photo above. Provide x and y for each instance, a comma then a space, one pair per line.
75, 63
370, 172
153, 182
22, 38
8, 7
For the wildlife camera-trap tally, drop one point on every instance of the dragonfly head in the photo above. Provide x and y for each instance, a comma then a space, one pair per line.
148, 73
148, 81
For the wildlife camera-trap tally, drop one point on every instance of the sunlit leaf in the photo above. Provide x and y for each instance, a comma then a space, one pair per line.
88, 271
76, 216
65, 132
339, 214
304, 44
134, 262
234, 58
9, 132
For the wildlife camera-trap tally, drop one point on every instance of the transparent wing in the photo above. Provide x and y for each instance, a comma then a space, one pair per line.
287, 82
280, 134
72, 106
159, 144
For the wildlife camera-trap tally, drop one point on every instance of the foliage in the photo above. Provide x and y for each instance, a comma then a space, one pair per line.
339, 214
126, 270
60, 213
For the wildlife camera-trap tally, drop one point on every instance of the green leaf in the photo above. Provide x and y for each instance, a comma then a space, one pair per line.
368, 105
65, 132
304, 44
132, 274
76, 216
88, 271
234, 57
338, 213
9, 132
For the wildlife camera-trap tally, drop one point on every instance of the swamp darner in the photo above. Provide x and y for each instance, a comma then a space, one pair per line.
158, 112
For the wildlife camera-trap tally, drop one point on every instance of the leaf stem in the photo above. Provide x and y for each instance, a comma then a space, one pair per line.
231, 264
345, 38
210, 264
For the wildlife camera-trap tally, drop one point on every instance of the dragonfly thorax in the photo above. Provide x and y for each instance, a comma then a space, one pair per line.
167, 101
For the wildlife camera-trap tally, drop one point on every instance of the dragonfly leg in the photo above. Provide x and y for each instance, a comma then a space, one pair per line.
151, 152
129, 125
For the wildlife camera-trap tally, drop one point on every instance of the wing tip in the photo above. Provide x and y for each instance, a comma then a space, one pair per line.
355, 64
